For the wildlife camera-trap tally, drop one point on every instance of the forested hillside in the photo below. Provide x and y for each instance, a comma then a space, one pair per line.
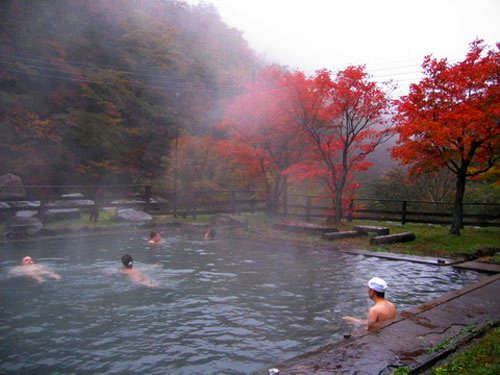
93, 91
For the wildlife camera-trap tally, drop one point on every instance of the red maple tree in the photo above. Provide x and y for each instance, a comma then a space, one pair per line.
451, 119
261, 135
343, 120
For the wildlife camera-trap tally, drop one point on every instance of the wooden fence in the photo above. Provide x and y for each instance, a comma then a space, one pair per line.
311, 208
94, 198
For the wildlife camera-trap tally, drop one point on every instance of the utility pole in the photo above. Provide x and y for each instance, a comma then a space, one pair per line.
177, 95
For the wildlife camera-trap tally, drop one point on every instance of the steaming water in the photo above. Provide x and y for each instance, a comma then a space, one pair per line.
222, 307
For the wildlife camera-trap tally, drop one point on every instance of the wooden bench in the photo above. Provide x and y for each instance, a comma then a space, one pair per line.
392, 238
381, 231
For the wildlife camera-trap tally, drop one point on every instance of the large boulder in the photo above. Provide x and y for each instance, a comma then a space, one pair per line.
22, 227
26, 213
227, 220
5, 211
11, 186
25, 204
71, 203
130, 214
62, 214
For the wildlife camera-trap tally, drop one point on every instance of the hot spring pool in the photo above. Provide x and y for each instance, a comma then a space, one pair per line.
222, 307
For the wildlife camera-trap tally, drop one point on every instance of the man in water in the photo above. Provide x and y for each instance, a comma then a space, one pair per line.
210, 234
134, 274
154, 238
382, 308
36, 271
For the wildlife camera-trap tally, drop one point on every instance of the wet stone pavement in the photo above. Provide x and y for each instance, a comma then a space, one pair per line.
408, 339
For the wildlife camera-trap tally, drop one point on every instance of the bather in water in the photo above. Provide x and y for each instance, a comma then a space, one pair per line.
35, 271
135, 275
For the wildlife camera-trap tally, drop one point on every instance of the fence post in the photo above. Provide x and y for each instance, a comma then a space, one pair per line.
41, 212
94, 212
285, 204
351, 210
148, 197
233, 202
403, 213
308, 209
175, 203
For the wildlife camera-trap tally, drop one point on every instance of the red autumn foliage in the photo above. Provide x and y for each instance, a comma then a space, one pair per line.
262, 136
451, 119
343, 120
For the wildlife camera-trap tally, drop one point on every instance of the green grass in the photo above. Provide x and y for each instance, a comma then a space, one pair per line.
482, 358
436, 240
401, 371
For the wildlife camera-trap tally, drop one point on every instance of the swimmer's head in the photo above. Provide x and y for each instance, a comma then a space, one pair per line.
127, 261
27, 261
210, 233
154, 237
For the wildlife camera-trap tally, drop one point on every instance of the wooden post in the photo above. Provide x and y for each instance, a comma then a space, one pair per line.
233, 202
285, 203
148, 197
94, 212
403, 213
41, 211
308, 209
175, 202
351, 211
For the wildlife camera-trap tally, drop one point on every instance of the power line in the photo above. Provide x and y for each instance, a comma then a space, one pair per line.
137, 84
105, 71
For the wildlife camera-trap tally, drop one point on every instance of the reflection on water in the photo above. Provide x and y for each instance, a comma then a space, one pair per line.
222, 307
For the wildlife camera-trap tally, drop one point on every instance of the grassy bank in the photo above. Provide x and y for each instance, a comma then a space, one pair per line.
431, 240
482, 357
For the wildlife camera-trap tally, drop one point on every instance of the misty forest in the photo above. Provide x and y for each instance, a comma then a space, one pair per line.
165, 93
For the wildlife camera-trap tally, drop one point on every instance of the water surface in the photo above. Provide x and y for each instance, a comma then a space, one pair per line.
222, 306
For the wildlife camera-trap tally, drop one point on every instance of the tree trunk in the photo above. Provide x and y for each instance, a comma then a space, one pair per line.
458, 208
273, 194
338, 205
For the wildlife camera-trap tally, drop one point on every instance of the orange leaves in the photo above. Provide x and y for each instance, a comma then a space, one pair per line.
452, 114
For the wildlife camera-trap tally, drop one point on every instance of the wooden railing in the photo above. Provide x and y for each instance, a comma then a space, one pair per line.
93, 198
409, 211
311, 208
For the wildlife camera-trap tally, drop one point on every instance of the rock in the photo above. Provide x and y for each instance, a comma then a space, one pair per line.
26, 213
130, 214
297, 226
25, 204
393, 238
62, 214
71, 203
227, 220
331, 236
23, 227
381, 231
11, 186
73, 195
5, 211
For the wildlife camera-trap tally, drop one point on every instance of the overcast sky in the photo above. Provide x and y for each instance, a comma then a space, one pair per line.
390, 36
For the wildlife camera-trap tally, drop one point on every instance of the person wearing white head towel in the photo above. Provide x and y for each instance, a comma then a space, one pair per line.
382, 308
